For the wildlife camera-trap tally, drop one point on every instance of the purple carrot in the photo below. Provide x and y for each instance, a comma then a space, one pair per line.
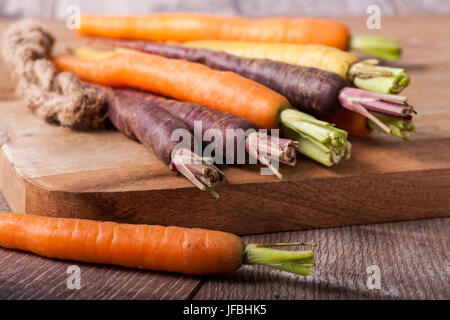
153, 127
308, 89
362, 101
258, 145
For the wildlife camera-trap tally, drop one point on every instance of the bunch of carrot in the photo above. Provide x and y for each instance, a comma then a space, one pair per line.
303, 42
224, 91
312, 90
273, 69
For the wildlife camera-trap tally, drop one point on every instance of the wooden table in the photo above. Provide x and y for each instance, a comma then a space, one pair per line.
412, 256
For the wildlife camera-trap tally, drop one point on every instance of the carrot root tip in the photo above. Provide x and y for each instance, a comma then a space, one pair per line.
318, 140
382, 47
399, 127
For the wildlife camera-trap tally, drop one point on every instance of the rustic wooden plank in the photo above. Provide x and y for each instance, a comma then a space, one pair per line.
103, 175
412, 257
28, 276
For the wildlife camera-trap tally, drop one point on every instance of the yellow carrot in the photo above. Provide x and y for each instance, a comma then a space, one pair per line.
316, 56
365, 74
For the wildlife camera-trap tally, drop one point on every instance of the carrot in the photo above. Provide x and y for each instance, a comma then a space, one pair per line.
224, 91
171, 249
363, 74
182, 27
154, 127
308, 89
259, 145
182, 80
305, 55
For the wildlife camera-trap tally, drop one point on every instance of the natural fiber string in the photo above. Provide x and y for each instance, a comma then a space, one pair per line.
56, 97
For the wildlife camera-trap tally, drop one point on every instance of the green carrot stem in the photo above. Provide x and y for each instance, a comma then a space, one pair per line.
362, 101
382, 47
399, 128
369, 76
318, 140
214, 193
297, 262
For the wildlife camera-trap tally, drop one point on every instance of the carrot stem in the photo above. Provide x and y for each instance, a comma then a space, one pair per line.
362, 102
399, 127
297, 262
317, 139
264, 148
382, 47
369, 76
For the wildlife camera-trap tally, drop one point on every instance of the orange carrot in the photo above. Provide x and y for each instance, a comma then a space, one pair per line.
173, 249
223, 91
352, 122
183, 27
182, 80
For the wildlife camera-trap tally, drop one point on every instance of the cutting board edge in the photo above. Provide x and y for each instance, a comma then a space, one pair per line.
133, 206
12, 184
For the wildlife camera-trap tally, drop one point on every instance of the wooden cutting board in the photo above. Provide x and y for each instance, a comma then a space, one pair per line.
57, 172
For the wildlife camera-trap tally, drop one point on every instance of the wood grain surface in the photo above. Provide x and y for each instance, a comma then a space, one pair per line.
413, 258
52, 171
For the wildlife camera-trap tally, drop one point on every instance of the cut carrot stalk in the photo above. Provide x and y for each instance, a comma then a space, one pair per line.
362, 102
171, 249
200, 171
196, 83
399, 127
382, 47
319, 140
358, 125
